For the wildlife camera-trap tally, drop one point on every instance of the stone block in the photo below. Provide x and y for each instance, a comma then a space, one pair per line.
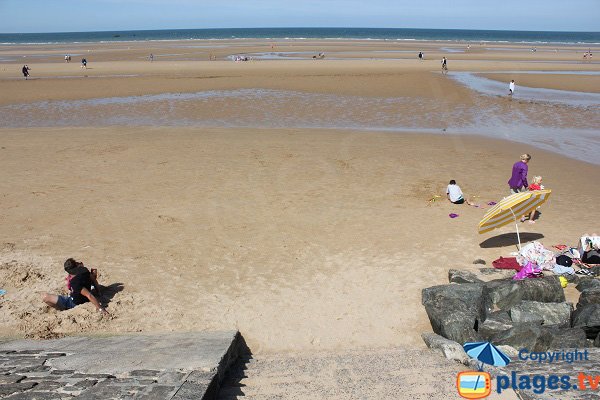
11, 388
144, 372
546, 290
461, 276
589, 296
456, 310
450, 349
522, 336
550, 313
554, 338
587, 283
496, 322
8, 379
588, 318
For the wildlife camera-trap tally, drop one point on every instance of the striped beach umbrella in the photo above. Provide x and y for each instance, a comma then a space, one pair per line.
486, 353
512, 207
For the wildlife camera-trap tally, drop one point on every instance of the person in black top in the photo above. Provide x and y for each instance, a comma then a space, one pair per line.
79, 283
25, 71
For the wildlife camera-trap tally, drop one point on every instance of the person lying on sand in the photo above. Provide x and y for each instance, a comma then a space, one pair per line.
79, 283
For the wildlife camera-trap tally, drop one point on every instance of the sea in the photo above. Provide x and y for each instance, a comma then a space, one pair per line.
391, 34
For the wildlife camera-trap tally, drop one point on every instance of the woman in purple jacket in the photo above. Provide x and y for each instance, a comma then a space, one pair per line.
518, 180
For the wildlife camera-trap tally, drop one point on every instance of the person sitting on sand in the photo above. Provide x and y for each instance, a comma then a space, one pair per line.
455, 195
79, 283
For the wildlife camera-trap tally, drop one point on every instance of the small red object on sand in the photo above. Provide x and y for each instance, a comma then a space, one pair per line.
452, 215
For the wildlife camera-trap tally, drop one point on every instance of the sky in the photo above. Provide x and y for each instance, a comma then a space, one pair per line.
20, 16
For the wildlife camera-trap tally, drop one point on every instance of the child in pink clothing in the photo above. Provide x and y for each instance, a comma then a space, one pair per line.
536, 184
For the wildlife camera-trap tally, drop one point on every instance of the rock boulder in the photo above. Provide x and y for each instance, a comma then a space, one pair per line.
461, 276
550, 313
588, 318
456, 310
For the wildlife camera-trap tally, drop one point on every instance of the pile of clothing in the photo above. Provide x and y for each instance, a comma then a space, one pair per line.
534, 258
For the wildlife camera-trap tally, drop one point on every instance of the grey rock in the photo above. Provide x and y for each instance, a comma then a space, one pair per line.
496, 322
522, 336
588, 318
589, 296
455, 311
15, 387
144, 372
450, 349
587, 283
38, 396
55, 355
550, 313
479, 261
562, 338
47, 385
595, 270
546, 290
37, 368
8, 379
62, 372
505, 293
85, 383
461, 276
171, 377
504, 273
159, 392
104, 392
597, 341
93, 376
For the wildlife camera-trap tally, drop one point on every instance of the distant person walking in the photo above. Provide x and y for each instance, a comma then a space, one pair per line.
511, 87
518, 180
151, 57
420, 56
25, 71
444, 65
83, 63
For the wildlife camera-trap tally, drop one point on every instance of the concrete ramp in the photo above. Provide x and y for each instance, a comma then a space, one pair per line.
172, 366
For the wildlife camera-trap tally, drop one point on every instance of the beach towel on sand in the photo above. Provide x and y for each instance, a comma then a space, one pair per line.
506, 263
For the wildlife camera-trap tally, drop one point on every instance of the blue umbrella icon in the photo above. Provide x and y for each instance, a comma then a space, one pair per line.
486, 353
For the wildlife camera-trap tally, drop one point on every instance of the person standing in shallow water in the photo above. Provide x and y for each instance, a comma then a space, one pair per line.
518, 180
511, 87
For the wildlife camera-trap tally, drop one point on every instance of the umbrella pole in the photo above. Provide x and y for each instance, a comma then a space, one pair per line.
517, 226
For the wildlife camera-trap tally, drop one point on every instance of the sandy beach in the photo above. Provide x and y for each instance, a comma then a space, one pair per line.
275, 210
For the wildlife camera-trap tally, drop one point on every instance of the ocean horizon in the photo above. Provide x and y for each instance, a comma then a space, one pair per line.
389, 34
